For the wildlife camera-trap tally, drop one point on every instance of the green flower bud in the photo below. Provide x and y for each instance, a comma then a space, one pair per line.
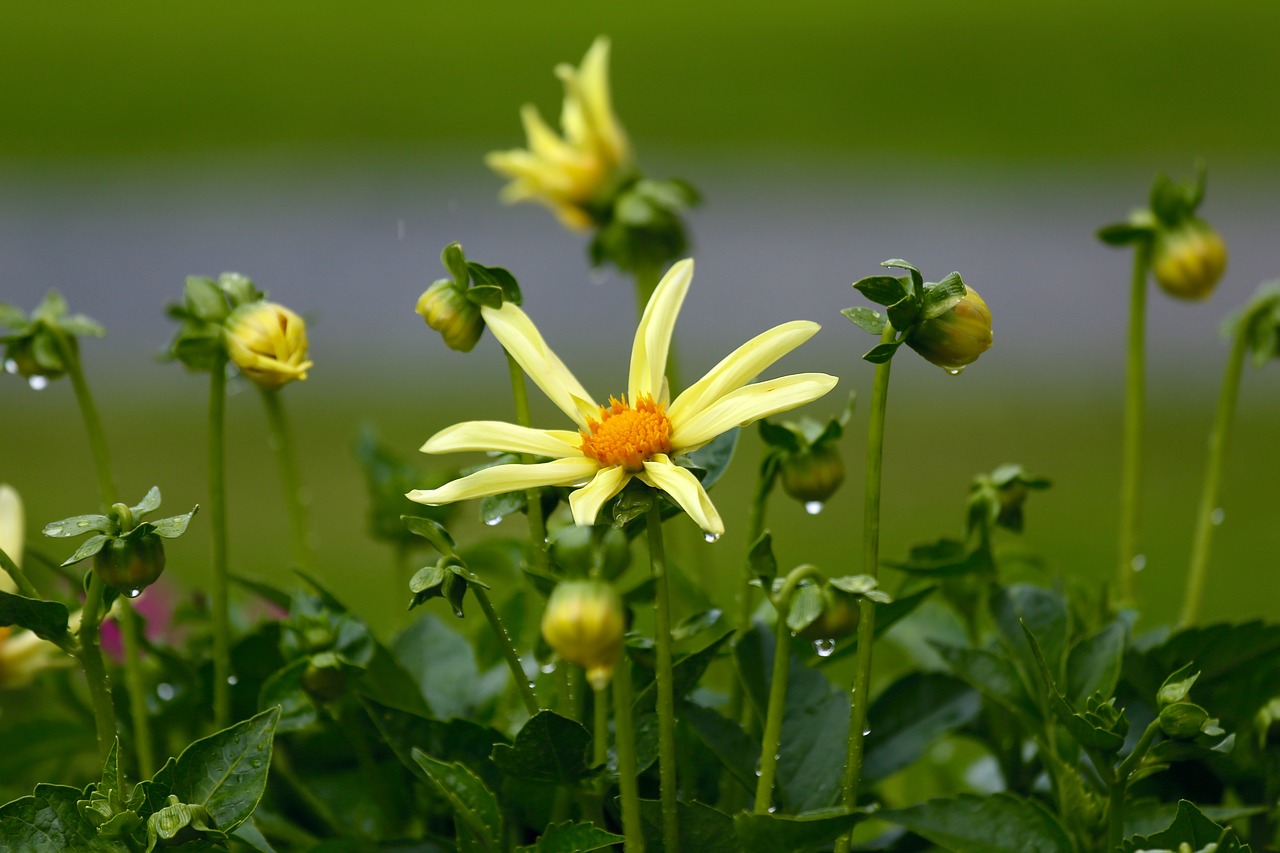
445, 307
585, 624
1182, 720
839, 617
324, 679
956, 336
812, 476
268, 342
1267, 724
1189, 259
130, 565
20, 358
577, 549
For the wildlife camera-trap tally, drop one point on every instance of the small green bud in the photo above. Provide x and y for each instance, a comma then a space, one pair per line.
585, 624
130, 565
324, 679
839, 616
445, 307
1189, 259
955, 337
21, 359
1267, 723
577, 549
1182, 720
814, 475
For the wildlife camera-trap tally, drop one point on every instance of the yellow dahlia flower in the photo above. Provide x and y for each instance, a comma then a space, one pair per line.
613, 444
568, 173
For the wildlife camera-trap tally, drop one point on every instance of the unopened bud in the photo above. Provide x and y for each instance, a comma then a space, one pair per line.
324, 679
839, 617
446, 308
1267, 724
268, 342
956, 337
130, 565
585, 625
813, 474
1182, 720
1189, 260
22, 356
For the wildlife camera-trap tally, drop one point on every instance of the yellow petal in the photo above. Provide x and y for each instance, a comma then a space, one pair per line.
685, 490
586, 502
504, 437
12, 532
653, 335
747, 405
741, 366
509, 478
591, 86
517, 334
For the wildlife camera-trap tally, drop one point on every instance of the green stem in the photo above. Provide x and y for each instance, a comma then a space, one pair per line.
1125, 769
666, 686
1116, 790
1198, 572
860, 698
218, 544
280, 437
625, 743
92, 421
533, 497
599, 728
95, 672
1134, 424
509, 653
130, 636
24, 584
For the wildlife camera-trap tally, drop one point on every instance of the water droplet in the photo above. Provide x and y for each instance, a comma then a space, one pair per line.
711, 537
866, 731
813, 507
773, 809
165, 691
80, 523
132, 593
10, 366
824, 648
1218, 516
547, 668
955, 371
53, 530
1139, 562
494, 521
532, 685
232, 680
38, 383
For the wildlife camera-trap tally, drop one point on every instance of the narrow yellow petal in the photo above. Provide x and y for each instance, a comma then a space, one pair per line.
509, 478
504, 437
747, 405
12, 532
653, 335
517, 334
586, 502
685, 490
741, 366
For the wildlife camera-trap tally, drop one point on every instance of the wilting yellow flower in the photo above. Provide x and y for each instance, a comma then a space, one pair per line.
585, 624
568, 173
268, 342
12, 532
625, 440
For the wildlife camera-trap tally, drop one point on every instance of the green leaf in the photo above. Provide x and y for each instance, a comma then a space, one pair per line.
905, 312
897, 263
995, 824
150, 503
1044, 612
724, 739
433, 531
881, 353
477, 817
1125, 233
174, 526
944, 294
49, 822
87, 549
225, 772
991, 675
775, 833
702, 828
806, 607
1189, 826
496, 277
46, 619
284, 690
449, 740
685, 675
779, 435
442, 663
1093, 666
910, 715
549, 748
78, 525
887, 615
249, 835
570, 837
866, 319
179, 823
494, 508
204, 299
715, 456
455, 263
485, 295
1177, 686
760, 558
881, 289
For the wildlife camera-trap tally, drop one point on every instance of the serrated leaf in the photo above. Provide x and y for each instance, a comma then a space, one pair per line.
775, 833
866, 319
881, 289
570, 837
87, 549
1093, 666
995, 824
477, 817
702, 828
150, 502
46, 619
175, 525
1189, 826
49, 822
548, 748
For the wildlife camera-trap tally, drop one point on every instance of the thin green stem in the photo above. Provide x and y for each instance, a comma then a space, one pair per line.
509, 653
1198, 573
280, 437
860, 698
624, 734
130, 636
533, 497
666, 686
220, 590
1131, 761
599, 728
1134, 425
95, 672
1116, 790
20, 579
92, 421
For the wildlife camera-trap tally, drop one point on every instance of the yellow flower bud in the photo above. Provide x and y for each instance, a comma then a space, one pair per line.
1189, 260
956, 337
585, 625
268, 342
446, 309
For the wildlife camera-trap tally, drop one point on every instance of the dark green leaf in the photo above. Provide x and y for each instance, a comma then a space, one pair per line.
265, 591
455, 263
995, 824
486, 295
49, 822
702, 828
1094, 663
774, 833
1177, 686
284, 690
715, 456
887, 615
905, 312
943, 558
549, 748
779, 436
881, 353
569, 837
725, 739
150, 503
46, 619
686, 673
442, 663
249, 835
497, 277
495, 508
87, 549
991, 675
866, 319
433, 531
174, 526
897, 263
1044, 612
1189, 827
452, 740
881, 289
78, 525
760, 558
1124, 233
477, 817
910, 715
693, 625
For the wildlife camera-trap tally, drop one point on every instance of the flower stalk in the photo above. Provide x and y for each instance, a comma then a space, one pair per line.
665, 679
220, 591
624, 734
1134, 426
280, 437
508, 648
533, 497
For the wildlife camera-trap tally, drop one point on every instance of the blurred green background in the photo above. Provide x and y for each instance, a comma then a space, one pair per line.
145, 141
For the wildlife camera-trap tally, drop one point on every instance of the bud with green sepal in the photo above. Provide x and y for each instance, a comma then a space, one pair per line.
599, 551
946, 322
996, 499
805, 456
203, 313
585, 624
37, 346
127, 551
451, 305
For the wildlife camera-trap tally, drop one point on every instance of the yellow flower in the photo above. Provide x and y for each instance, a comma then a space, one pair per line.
23, 655
268, 342
568, 173
637, 439
12, 533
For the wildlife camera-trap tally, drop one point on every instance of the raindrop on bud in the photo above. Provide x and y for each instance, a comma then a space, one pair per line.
132, 593
38, 383
824, 648
813, 507
494, 521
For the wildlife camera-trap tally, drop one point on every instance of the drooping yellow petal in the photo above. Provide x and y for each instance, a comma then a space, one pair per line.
509, 478
586, 502
747, 405
741, 366
653, 335
517, 334
12, 532
685, 490
504, 437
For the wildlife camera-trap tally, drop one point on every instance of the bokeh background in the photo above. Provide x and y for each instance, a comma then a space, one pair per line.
330, 150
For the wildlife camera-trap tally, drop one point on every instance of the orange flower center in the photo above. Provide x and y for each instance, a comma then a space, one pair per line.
626, 436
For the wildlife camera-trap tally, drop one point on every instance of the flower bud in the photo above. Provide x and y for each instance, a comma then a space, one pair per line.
585, 625
1189, 259
268, 342
839, 617
1182, 720
956, 337
130, 565
446, 308
1267, 723
813, 475
578, 549
324, 679
20, 358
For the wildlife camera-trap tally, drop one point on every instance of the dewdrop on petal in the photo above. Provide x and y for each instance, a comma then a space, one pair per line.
955, 337
445, 307
1189, 259
584, 623
268, 342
